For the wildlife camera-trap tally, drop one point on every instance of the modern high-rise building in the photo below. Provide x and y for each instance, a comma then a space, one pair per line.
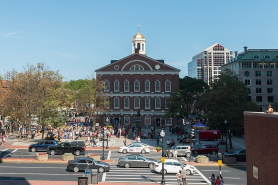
206, 65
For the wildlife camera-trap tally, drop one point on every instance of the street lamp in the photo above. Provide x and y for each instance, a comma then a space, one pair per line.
102, 158
107, 119
162, 134
226, 134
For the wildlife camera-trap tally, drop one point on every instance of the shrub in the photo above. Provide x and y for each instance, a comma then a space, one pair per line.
42, 153
157, 148
201, 156
94, 155
67, 154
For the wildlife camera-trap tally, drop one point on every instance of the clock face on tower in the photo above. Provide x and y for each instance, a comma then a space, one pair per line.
157, 66
116, 67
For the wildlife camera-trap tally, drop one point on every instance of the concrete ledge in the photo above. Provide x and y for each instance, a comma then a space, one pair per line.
33, 160
212, 163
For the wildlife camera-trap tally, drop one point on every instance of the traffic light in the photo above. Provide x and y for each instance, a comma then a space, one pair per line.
192, 132
138, 112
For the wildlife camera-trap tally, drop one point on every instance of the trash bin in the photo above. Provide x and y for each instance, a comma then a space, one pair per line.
82, 180
94, 173
88, 174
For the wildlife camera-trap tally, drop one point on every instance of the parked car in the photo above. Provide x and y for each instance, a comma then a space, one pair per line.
66, 148
87, 163
183, 150
42, 145
209, 134
205, 149
136, 161
173, 166
239, 154
135, 148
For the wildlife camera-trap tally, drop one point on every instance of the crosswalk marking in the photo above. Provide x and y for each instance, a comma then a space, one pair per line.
10, 153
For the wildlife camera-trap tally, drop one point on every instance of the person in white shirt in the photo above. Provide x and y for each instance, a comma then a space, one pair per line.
175, 154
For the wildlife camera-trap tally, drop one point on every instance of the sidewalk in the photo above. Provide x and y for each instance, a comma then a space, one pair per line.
30, 182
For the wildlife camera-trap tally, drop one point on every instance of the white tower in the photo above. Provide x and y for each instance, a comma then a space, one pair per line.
139, 43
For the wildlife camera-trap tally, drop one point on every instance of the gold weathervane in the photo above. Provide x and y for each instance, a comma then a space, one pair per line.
138, 27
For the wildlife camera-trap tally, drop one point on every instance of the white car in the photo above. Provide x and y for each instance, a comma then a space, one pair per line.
173, 166
135, 148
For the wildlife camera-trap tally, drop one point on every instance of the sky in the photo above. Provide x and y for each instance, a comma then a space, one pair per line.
76, 37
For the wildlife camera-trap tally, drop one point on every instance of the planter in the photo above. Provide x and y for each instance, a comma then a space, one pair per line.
43, 157
67, 157
202, 159
158, 151
229, 160
95, 157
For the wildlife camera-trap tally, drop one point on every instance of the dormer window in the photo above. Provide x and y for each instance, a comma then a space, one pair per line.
256, 56
267, 56
136, 67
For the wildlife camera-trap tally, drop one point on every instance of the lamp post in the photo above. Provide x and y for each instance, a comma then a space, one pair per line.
226, 150
107, 119
102, 158
162, 134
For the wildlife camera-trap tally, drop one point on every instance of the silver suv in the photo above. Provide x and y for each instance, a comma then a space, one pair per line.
183, 150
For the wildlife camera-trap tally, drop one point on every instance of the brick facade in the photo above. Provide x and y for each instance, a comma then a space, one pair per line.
261, 140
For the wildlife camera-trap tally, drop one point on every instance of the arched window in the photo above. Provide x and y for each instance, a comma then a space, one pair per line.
126, 103
157, 86
143, 48
166, 103
267, 56
276, 56
116, 103
136, 86
136, 67
127, 120
167, 86
136, 103
248, 90
106, 102
256, 56
116, 86
106, 86
147, 86
126, 86
147, 103
157, 103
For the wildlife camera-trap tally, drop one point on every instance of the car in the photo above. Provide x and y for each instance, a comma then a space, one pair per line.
136, 161
66, 147
173, 166
135, 148
205, 149
82, 164
239, 154
183, 150
42, 145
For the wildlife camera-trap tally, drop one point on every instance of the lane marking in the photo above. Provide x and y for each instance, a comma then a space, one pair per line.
3, 150
103, 177
184, 158
206, 179
10, 153
109, 155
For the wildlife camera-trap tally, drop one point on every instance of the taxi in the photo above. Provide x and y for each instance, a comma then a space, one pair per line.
134, 148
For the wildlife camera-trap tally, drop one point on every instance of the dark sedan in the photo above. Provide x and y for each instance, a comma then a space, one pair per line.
87, 163
239, 154
42, 145
136, 161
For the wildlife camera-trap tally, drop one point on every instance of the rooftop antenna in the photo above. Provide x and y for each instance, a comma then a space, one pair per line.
138, 27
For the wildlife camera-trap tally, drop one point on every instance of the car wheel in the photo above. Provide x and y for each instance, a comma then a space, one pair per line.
195, 152
165, 172
124, 151
188, 172
33, 149
127, 165
76, 169
101, 170
188, 154
143, 151
77, 152
52, 152
151, 165
213, 153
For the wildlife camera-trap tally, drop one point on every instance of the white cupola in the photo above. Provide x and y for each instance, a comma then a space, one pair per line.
139, 44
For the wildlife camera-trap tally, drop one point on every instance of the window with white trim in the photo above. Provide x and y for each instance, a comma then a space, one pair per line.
136, 86
126, 86
157, 103
136, 103
157, 86
167, 86
126, 120
166, 103
126, 103
106, 86
147, 103
136, 67
106, 102
116, 86
116, 103
147, 86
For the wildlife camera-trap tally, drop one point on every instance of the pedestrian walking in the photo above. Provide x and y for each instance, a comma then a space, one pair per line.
217, 181
175, 154
183, 175
212, 179
168, 144
157, 141
94, 142
221, 180
168, 154
178, 175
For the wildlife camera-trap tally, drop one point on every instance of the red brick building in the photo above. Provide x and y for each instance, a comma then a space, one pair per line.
261, 140
138, 82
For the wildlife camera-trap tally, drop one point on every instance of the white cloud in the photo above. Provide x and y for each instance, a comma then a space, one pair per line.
12, 33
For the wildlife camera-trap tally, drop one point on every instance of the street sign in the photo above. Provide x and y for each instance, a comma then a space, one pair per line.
163, 159
220, 162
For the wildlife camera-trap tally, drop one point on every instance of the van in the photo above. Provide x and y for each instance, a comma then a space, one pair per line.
209, 134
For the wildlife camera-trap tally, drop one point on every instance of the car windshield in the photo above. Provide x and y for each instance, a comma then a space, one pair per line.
238, 150
173, 147
40, 143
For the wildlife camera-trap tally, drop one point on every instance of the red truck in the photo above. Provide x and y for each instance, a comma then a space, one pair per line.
209, 134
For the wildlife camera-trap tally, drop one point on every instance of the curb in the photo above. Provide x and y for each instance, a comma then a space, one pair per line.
17, 160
